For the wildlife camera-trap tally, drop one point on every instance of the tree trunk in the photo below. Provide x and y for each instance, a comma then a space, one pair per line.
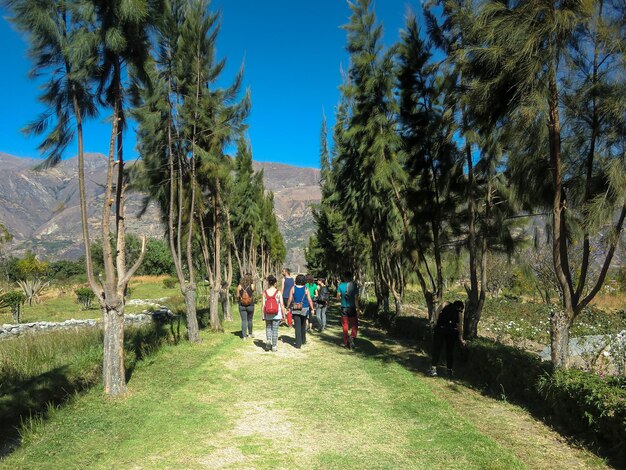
560, 324
113, 370
398, 301
193, 332
227, 312
214, 314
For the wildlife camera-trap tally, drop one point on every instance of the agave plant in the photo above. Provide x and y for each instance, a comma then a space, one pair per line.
32, 289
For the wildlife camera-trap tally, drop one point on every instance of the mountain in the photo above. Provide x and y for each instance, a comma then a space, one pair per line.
41, 208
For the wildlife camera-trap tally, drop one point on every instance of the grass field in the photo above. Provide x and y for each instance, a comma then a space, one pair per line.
59, 303
227, 403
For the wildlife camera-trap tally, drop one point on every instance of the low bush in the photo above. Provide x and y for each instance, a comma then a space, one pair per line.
580, 400
170, 282
13, 301
85, 296
584, 404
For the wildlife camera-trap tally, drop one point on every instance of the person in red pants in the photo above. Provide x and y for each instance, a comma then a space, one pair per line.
348, 294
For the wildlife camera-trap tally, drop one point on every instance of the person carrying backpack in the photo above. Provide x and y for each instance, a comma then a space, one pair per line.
273, 309
311, 286
287, 285
301, 302
245, 296
448, 330
323, 299
348, 294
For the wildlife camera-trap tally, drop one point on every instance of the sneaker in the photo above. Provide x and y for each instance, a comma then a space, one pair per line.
252, 335
274, 349
432, 372
351, 343
268, 345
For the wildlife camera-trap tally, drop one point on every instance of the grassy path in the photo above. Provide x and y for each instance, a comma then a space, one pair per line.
228, 404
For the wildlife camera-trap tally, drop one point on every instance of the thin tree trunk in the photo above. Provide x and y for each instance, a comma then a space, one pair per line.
216, 284
560, 259
96, 288
560, 325
193, 330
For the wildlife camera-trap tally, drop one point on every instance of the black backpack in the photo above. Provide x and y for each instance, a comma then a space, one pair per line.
324, 295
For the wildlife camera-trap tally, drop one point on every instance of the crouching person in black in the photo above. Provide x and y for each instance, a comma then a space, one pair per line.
448, 330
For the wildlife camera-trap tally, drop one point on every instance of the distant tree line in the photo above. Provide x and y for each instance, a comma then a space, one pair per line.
483, 114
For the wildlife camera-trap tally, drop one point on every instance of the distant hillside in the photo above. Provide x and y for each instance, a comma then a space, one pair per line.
41, 208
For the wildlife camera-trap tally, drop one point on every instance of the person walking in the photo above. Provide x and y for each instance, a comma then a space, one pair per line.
287, 285
323, 298
273, 309
245, 296
448, 331
348, 294
311, 286
301, 302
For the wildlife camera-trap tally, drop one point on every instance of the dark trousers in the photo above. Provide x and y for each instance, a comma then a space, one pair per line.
449, 338
246, 312
299, 322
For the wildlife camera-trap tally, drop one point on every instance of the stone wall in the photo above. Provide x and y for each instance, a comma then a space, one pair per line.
13, 331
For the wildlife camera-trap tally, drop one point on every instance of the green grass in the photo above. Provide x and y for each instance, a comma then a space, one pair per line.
61, 305
47, 368
228, 404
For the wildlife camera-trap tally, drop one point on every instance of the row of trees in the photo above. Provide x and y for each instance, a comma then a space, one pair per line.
154, 61
447, 140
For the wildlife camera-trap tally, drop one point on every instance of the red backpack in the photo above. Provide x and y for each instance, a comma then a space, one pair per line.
271, 304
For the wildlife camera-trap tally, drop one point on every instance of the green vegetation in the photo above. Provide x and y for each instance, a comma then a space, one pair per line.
453, 140
14, 302
84, 296
41, 371
60, 303
258, 411
588, 406
528, 320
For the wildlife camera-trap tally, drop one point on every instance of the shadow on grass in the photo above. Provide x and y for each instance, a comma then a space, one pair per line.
290, 340
388, 349
409, 344
21, 400
31, 398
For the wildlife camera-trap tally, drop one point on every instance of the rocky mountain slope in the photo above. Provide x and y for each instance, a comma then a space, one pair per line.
41, 208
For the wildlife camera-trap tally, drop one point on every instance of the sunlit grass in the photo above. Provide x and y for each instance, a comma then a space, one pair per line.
59, 303
227, 403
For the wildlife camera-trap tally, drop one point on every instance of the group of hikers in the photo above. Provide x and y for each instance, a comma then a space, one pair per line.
303, 299
299, 303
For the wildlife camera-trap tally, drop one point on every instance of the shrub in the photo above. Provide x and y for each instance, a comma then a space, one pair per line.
169, 282
84, 296
14, 301
582, 400
63, 270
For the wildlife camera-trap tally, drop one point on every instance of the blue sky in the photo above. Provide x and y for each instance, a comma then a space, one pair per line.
292, 51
